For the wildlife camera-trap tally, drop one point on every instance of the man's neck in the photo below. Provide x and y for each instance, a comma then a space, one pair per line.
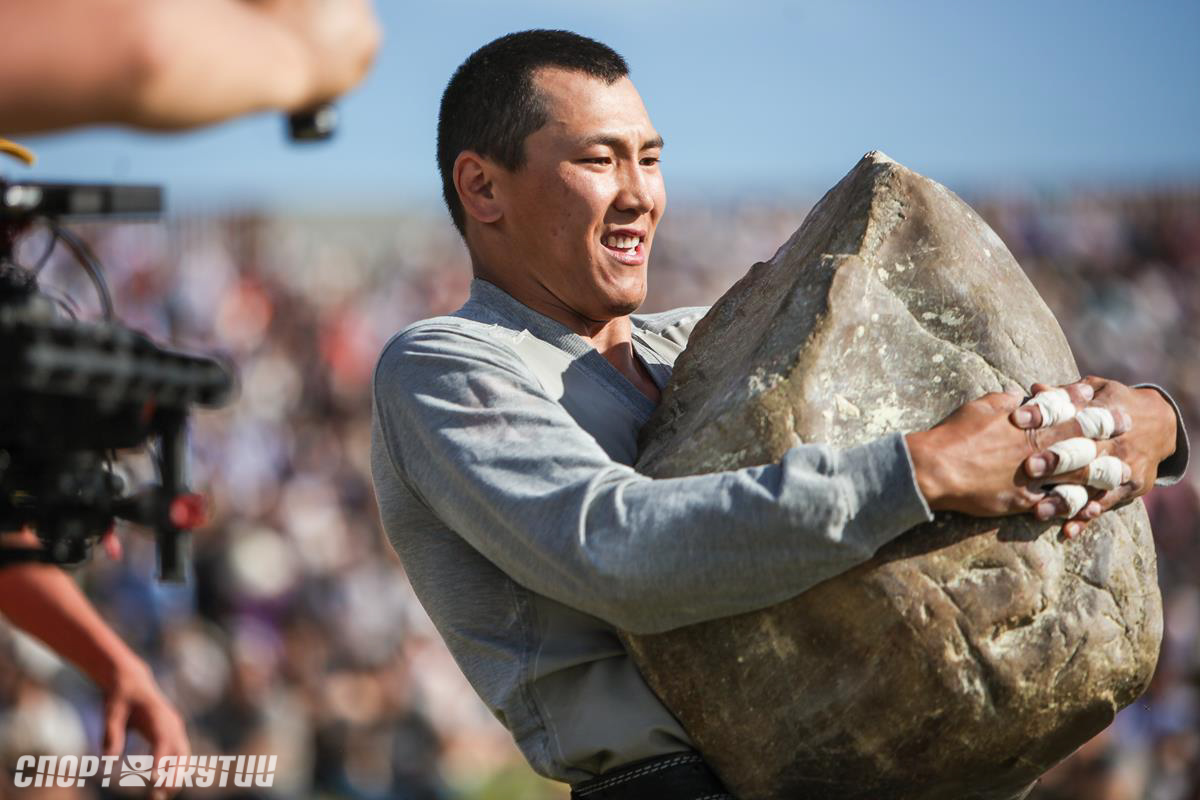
601, 334
612, 338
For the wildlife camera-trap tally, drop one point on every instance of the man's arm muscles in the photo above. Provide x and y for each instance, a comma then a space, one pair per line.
510, 471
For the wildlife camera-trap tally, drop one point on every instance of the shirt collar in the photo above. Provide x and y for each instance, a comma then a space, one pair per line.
491, 296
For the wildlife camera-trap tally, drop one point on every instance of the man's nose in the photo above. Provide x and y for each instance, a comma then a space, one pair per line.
634, 194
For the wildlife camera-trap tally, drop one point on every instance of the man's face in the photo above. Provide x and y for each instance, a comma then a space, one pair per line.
581, 213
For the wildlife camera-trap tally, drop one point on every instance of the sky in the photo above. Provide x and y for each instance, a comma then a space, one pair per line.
761, 99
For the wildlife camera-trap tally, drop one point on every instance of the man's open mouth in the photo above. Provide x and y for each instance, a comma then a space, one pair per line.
627, 247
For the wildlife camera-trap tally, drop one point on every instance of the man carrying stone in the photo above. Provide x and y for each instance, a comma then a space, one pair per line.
504, 435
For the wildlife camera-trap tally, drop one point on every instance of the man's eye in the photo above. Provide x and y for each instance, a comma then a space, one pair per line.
651, 161
598, 160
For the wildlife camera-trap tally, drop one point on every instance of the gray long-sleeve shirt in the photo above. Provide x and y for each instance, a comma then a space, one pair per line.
501, 456
501, 453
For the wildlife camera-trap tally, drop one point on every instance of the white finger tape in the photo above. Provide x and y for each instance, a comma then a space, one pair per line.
1106, 472
1073, 454
1096, 422
1075, 496
1055, 405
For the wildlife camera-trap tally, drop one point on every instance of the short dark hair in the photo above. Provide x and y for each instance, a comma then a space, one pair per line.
491, 104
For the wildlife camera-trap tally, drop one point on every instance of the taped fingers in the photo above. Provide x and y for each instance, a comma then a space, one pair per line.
1054, 406
1072, 454
1104, 475
1096, 422
1051, 405
1075, 497
1108, 472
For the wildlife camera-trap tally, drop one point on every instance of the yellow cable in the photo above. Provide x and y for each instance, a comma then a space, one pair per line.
22, 154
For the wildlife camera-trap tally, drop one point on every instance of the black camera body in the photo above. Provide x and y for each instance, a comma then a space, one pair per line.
75, 392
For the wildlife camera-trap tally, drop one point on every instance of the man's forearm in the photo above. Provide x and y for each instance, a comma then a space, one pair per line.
1175, 462
43, 600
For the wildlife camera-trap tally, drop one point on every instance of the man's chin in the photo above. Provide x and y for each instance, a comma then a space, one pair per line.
616, 296
628, 298
625, 309
622, 304
614, 308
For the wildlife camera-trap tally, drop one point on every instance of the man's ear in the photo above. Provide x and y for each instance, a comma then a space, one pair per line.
474, 179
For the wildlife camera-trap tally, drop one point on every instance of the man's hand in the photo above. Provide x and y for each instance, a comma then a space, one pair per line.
970, 462
975, 461
1143, 437
42, 600
133, 700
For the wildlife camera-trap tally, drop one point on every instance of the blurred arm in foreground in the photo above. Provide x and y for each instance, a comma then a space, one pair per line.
175, 64
43, 600
159, 65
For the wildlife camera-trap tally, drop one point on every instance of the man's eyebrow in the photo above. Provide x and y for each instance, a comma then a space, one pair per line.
616, 142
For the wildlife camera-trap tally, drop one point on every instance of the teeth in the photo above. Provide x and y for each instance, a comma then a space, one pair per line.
623, 242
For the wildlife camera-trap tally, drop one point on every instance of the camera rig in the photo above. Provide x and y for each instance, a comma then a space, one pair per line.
74, 392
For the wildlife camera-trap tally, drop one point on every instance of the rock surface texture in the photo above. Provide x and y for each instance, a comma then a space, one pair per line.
968, 656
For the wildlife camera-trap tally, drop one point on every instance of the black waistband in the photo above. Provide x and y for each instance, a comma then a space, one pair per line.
679, 776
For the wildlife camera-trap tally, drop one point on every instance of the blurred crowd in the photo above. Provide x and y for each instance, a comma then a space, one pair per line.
1122, 274
299, 635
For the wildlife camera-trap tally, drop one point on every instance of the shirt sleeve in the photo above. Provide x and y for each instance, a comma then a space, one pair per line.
474, 436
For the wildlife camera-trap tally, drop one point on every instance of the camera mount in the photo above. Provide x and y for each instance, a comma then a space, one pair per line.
77, 391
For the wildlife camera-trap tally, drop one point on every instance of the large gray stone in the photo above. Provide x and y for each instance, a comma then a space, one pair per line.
969, 655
